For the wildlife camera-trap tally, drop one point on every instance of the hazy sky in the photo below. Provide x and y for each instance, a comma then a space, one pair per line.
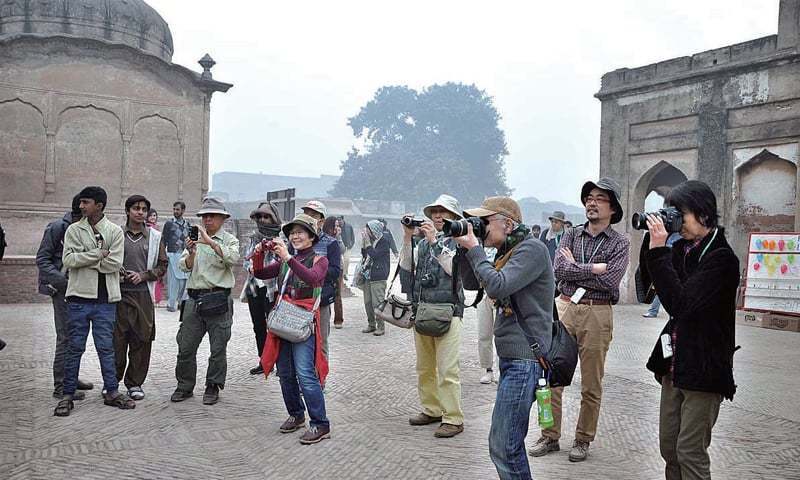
301, 68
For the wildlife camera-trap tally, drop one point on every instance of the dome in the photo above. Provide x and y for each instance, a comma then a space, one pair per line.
128, 22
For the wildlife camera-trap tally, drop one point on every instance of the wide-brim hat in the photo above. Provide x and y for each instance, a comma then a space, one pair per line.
316, 206
612, 187
213, 205
505, 206
447, 202
559, 216
304, 220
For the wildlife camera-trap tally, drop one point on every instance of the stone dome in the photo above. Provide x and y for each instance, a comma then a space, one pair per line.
128, 22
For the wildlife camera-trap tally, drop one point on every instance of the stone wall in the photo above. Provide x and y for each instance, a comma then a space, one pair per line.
19, 281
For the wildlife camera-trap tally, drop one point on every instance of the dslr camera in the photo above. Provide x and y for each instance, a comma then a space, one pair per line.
411, 222
458, 228
671, 216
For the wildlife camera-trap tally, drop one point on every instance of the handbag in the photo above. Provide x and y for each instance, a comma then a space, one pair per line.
212, 304
361, 275
291, 322
433, 319
394, 309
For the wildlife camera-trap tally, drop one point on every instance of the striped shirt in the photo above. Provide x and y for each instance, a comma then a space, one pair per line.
609, 247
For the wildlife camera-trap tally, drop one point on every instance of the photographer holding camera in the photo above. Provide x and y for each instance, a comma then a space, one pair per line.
520, 283
437, 335
696, 281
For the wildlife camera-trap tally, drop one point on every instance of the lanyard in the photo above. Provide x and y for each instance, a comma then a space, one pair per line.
709, 244
583, 249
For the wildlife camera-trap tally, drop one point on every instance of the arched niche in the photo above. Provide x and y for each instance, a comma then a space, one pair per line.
766, 196
22, 152
88, 151
155, 163
661, 179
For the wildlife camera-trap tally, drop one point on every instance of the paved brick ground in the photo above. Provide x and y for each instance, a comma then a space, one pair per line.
371, 392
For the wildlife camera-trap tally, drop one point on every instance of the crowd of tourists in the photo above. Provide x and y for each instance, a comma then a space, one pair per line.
110, 278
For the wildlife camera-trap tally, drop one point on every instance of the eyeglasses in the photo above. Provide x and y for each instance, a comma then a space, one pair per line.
296, 232
596, 200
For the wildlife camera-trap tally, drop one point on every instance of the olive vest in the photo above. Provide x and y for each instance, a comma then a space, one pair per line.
442, 290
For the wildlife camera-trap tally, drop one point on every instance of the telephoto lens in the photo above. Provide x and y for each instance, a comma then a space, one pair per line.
458, 228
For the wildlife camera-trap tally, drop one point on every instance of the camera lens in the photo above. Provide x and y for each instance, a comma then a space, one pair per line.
639, 221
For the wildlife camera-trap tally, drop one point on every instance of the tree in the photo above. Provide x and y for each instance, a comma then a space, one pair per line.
417, 145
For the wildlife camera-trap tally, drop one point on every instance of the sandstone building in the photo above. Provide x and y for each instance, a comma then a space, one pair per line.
89, 96
729, 117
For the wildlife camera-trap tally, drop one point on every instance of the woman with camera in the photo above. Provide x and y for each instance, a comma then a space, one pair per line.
375, 246
300, 279
437, 334
696, 281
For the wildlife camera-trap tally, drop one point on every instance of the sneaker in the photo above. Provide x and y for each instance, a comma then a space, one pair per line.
447, 430
649, 315
579, 452
315, 434
379, 332
338, 326
543, 446
136, 393
257, 370
211, 395
423, 419
368, 330
487, 377
180, 395
291, 424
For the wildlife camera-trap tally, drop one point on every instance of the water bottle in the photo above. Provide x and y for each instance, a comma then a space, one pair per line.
543, 396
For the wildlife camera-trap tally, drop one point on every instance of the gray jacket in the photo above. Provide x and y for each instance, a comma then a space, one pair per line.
527, 279
48, 258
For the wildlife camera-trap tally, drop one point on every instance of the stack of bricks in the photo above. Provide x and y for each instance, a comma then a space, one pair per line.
19, 280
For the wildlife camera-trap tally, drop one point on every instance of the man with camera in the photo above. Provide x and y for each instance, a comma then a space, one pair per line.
210, 255
174, 236
589, 266
439, 311
520, 283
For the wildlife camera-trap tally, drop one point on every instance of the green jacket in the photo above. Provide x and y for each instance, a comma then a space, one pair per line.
83, 258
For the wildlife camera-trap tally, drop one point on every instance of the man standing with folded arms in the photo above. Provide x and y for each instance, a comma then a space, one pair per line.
210, 260
589, 267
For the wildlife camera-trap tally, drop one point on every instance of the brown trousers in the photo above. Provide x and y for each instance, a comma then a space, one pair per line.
593, 326
134, 332
686, 418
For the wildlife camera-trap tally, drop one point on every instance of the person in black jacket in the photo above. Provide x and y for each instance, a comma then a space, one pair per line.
376, 247
53, 282
696, 281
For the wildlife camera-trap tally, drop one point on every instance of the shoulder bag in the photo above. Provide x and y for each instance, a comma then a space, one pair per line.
395, 309
289, 321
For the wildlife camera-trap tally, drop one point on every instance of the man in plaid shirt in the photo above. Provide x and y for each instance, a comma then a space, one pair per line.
589, 266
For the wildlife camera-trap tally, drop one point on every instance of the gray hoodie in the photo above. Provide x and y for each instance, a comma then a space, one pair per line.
527, 279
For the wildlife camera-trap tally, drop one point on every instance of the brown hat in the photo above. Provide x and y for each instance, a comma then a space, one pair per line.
306, 221
506, 206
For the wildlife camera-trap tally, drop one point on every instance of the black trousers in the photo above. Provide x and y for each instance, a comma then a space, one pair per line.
260, 307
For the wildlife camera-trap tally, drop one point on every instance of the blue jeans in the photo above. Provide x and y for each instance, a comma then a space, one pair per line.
512, 408
176, 280
102, 317
296, 362
654, 307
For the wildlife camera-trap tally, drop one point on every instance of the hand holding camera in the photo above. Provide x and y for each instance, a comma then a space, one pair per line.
468, 240
280, 249
658, 231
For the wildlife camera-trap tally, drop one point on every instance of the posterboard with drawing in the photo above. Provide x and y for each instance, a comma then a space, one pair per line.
773, 273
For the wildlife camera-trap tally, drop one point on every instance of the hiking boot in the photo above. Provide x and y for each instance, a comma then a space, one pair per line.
291, 424
368, 330
423, 419
447, 430
543, 446
180, 395
211, 395
579, 452
315, 434
378, 332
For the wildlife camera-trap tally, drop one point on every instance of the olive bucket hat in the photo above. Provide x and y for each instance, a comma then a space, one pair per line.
306, 221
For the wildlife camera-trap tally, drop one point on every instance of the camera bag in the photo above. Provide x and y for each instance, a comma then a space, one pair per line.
212, 304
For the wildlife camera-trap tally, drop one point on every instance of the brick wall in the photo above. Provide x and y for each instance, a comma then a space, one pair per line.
19, 281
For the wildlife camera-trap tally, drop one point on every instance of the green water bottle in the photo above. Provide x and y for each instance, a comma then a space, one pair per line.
543, 397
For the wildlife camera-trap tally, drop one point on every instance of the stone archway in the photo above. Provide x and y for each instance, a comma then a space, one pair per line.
661, 179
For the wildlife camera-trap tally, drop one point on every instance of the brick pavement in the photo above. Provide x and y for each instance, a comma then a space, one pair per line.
371, 392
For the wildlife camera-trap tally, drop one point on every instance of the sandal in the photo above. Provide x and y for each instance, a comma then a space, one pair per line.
63, 408
121, 401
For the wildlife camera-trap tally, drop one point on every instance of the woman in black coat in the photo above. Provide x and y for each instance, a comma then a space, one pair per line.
696, 281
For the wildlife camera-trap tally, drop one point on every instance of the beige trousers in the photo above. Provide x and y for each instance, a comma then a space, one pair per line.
486, 333
593, 326
438, 379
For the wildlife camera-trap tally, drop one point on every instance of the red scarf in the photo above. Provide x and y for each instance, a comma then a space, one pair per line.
272, 345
